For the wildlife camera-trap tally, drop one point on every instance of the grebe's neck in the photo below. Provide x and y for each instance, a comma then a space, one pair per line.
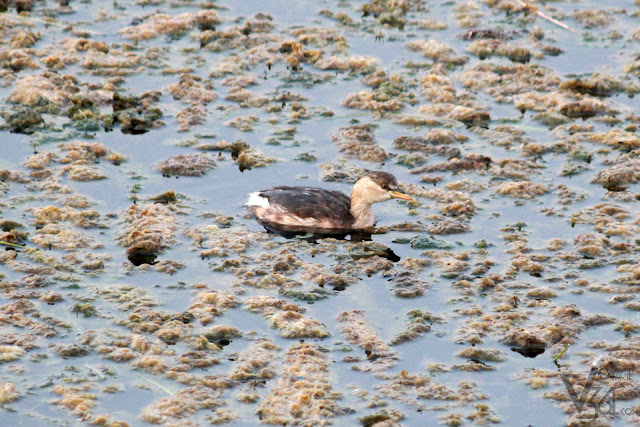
361, 212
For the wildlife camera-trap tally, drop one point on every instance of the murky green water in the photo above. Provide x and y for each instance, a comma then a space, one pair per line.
41, 385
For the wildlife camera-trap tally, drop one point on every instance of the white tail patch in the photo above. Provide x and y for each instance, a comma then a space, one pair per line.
255, 199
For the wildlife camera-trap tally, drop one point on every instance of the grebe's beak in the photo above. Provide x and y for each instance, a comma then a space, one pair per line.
399, 195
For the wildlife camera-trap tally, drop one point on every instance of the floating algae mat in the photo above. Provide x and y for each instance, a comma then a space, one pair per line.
137, 290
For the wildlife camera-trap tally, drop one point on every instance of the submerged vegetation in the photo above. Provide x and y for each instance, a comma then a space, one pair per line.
136, 289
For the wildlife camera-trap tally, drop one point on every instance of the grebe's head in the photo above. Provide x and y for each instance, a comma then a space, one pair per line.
377, 187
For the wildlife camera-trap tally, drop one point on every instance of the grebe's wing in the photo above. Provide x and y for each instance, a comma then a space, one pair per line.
305, 206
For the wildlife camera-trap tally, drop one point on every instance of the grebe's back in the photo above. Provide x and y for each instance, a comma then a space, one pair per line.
301, 209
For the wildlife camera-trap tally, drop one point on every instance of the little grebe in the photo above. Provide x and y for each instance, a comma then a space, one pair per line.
301, 210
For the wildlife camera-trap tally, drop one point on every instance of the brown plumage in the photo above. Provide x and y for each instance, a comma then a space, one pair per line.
301, 210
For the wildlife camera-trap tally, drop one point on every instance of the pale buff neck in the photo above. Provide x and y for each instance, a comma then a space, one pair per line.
361, 211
